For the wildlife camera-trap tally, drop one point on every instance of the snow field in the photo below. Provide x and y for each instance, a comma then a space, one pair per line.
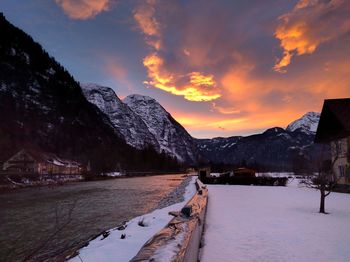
252, 223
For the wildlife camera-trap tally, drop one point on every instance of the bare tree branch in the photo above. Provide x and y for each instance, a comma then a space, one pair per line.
58, 228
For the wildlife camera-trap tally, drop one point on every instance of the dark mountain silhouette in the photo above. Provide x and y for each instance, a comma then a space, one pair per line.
43, 107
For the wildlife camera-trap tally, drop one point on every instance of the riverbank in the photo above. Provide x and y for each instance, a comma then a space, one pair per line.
8, 184
123, 243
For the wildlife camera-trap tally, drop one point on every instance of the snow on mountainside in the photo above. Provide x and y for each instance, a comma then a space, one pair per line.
172, 137
275, 148
307, 123
124, 120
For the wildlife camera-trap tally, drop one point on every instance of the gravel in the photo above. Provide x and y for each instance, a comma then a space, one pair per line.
175, 196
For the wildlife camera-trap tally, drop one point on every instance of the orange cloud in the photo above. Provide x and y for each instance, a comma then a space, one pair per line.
310, 24
193, 86
144, 15
225, 110
221, 125
116, 69
197, 86
204, 62
83, 9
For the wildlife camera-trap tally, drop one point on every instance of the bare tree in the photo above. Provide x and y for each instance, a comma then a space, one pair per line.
325, 178
61, 222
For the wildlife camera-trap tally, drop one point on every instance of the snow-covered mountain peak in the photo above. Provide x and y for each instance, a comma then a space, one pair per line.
307, 123
171, 136
124, 120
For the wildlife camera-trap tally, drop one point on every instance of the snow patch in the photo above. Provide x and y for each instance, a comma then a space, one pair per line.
307, 123
113, 174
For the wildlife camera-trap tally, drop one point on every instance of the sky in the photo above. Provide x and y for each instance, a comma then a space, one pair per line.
221, 68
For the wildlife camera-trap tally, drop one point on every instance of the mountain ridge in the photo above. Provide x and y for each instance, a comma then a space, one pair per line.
274, 149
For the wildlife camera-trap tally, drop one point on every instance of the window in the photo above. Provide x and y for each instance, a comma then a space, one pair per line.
338, 147
341, 171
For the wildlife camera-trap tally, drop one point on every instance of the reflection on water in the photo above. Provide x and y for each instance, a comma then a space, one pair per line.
32, 218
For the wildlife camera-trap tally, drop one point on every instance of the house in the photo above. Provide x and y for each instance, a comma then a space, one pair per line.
203, 173
244, 172
38, 162
334, 129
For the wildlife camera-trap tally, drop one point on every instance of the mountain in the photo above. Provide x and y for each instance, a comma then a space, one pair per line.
275, 149
124, 120
43, 107
307, 123
173, 139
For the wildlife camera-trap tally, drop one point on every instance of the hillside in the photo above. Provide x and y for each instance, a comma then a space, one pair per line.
43, 107
290, 149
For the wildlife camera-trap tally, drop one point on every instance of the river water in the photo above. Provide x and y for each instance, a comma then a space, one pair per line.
51, 222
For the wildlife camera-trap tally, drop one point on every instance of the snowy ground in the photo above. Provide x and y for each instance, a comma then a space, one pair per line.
276, 174
252, 223
113, 174
113, 248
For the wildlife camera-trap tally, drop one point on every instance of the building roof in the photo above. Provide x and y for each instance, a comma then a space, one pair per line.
334, 121
41, 156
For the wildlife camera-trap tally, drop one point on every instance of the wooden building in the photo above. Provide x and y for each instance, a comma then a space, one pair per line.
334, 129
244, 172
38, 162
203, 173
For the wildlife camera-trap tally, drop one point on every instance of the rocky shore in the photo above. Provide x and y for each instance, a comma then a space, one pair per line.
175, 196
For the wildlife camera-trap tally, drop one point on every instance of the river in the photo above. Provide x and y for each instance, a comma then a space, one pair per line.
54, 221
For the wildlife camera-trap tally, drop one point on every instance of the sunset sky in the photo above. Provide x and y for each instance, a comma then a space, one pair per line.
221, 68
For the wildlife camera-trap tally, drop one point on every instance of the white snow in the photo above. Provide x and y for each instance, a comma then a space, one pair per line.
113, 248
307, 123
276, 174
3, 86
250, 223
225, 145
13, 51
26, 57
232, 144
169, 252
57, 163
113, 174
51, 71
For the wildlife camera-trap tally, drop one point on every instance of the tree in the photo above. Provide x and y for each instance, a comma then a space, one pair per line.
61, 222
324, 179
